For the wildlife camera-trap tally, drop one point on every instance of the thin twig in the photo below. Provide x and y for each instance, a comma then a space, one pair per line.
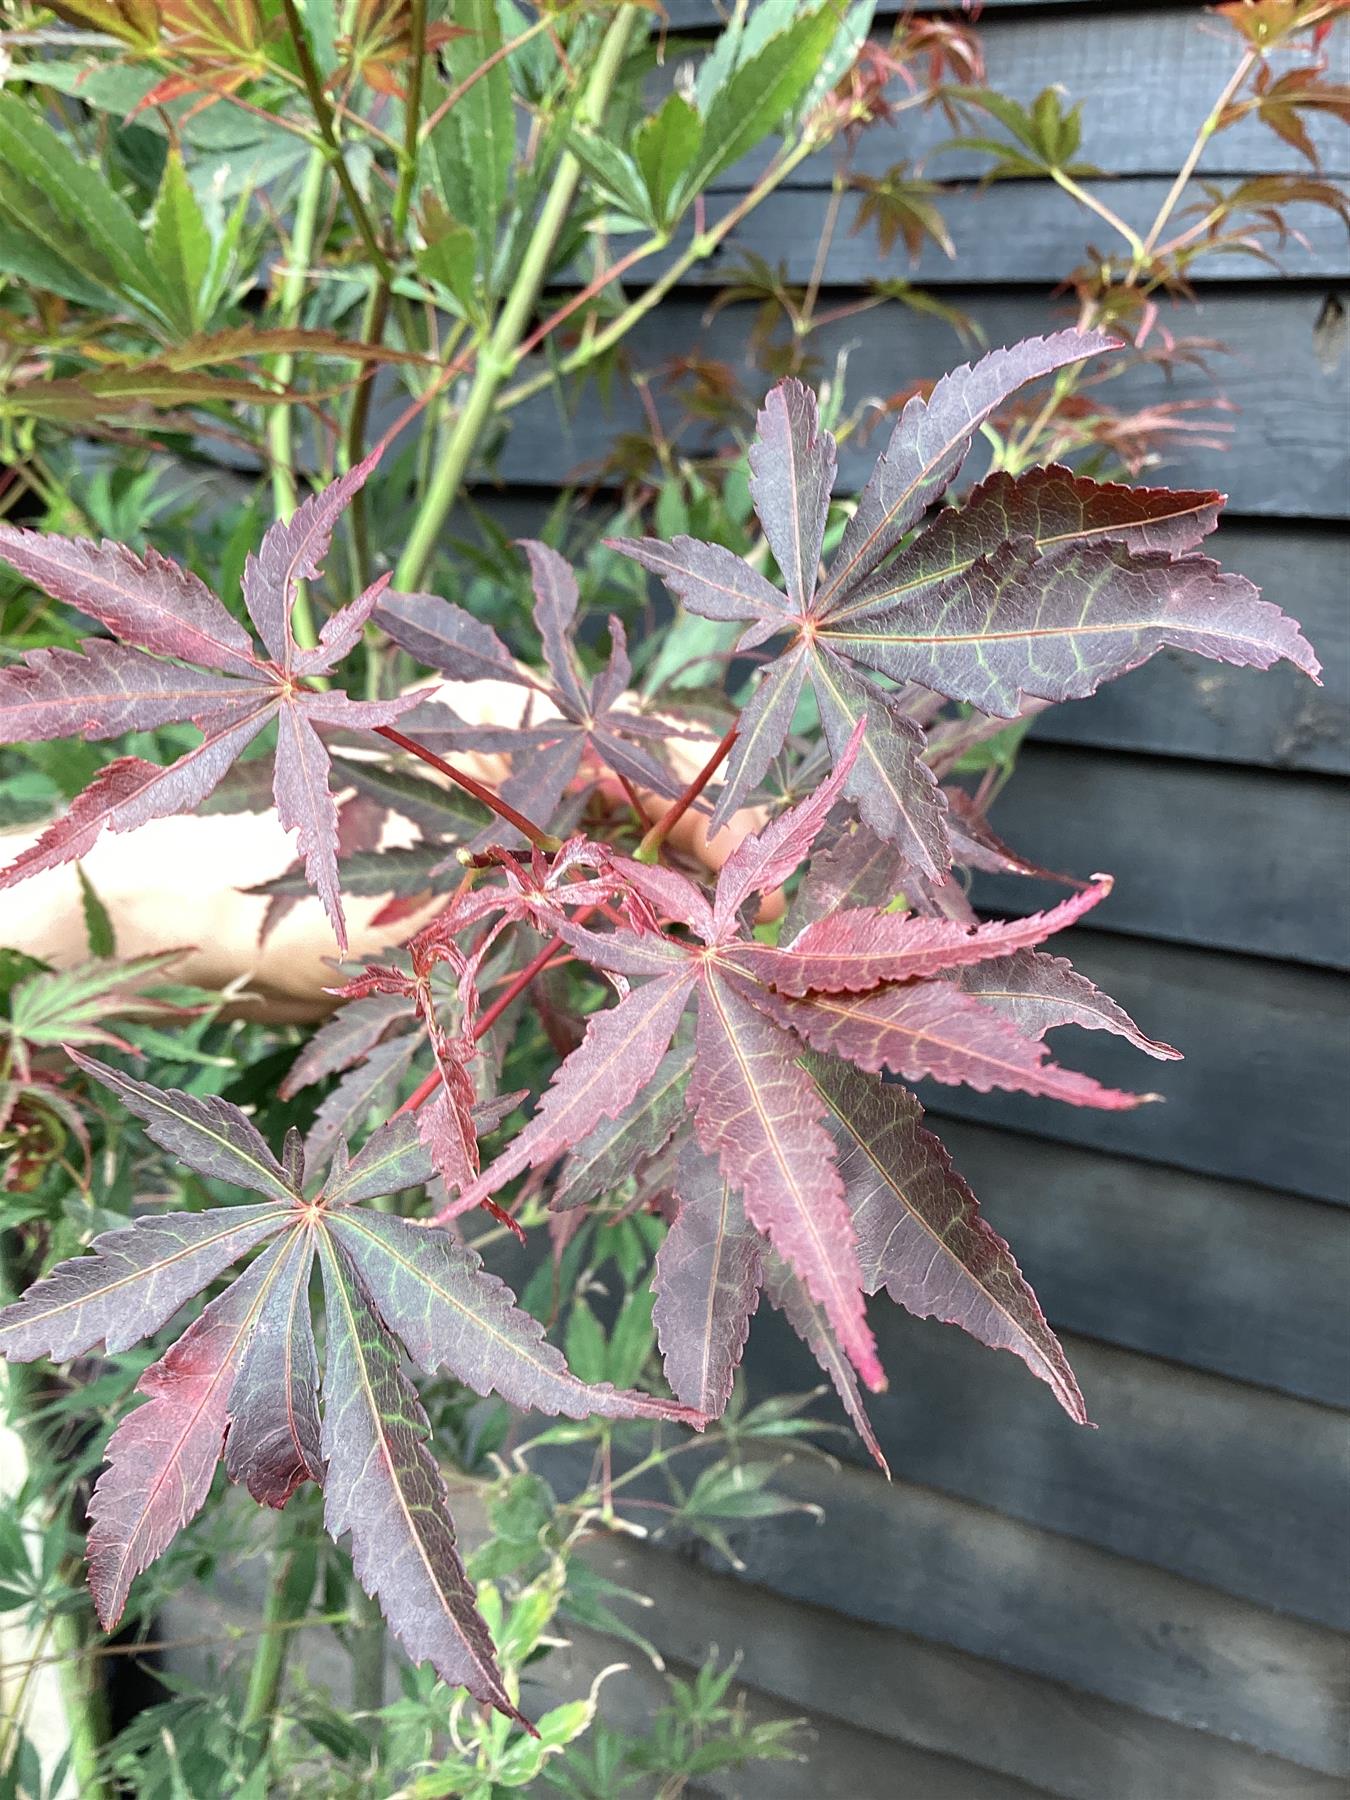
649, 850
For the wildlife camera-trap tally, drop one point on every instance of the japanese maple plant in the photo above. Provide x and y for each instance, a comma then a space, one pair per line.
741, 1074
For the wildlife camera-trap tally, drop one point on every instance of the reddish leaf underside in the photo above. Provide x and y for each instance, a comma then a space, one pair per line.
919, 1232
163, 1455
273, 1443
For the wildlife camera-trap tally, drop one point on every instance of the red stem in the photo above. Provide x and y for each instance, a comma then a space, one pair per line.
592, 288
540, 838
485, 67
650, 847
427, 1087
491, 1014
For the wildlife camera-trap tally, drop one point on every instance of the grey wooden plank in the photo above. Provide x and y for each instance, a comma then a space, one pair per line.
1073, 1744
1289, 455
836, 1759
1217, 1482
1161, 73
1185, 706
1226, 858
1261, 1096
941, 1569
1218, 1275
1016, 231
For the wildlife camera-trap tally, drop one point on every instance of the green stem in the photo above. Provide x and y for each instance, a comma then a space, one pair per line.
368, 1655
698, 251
82, 1699
280, 435
1138, 249
496, 357
288, 1596
1197, 150
323, 118
377, 315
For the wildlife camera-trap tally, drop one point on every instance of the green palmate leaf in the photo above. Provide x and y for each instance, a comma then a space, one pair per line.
71, 1006
63, 228
449, 258
664, 146
473, 148
615, 175
100, 938
179, 243
384, 1488
112, 394
766, 87
134, 22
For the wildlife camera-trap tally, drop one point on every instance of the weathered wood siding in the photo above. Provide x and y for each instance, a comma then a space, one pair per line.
1150, 1611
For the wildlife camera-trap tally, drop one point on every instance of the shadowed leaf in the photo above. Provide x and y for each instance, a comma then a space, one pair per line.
706, 1279
384, 1488
131, 1281
273, 1440
452, 1315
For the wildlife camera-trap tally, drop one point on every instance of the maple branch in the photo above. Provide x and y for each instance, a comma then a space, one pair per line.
280, 439
597, 285
541, 839
286, 1605
649, 850
520, 982
323, 118
497, 357
699, 249
1211, 124
377, 316
489, 1017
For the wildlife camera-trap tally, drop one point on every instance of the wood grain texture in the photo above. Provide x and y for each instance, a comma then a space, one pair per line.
1218, 1275
906, 1558
1202, 855
927, 1695
1181, 705
1145, 81
1260, 1096
1016, 231
839, 1757
1289, 457
1220, 1483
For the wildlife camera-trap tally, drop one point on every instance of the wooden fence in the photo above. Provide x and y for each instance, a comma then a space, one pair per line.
1150, 1611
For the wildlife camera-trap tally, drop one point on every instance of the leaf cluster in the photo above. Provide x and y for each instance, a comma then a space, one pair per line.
740, 1084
